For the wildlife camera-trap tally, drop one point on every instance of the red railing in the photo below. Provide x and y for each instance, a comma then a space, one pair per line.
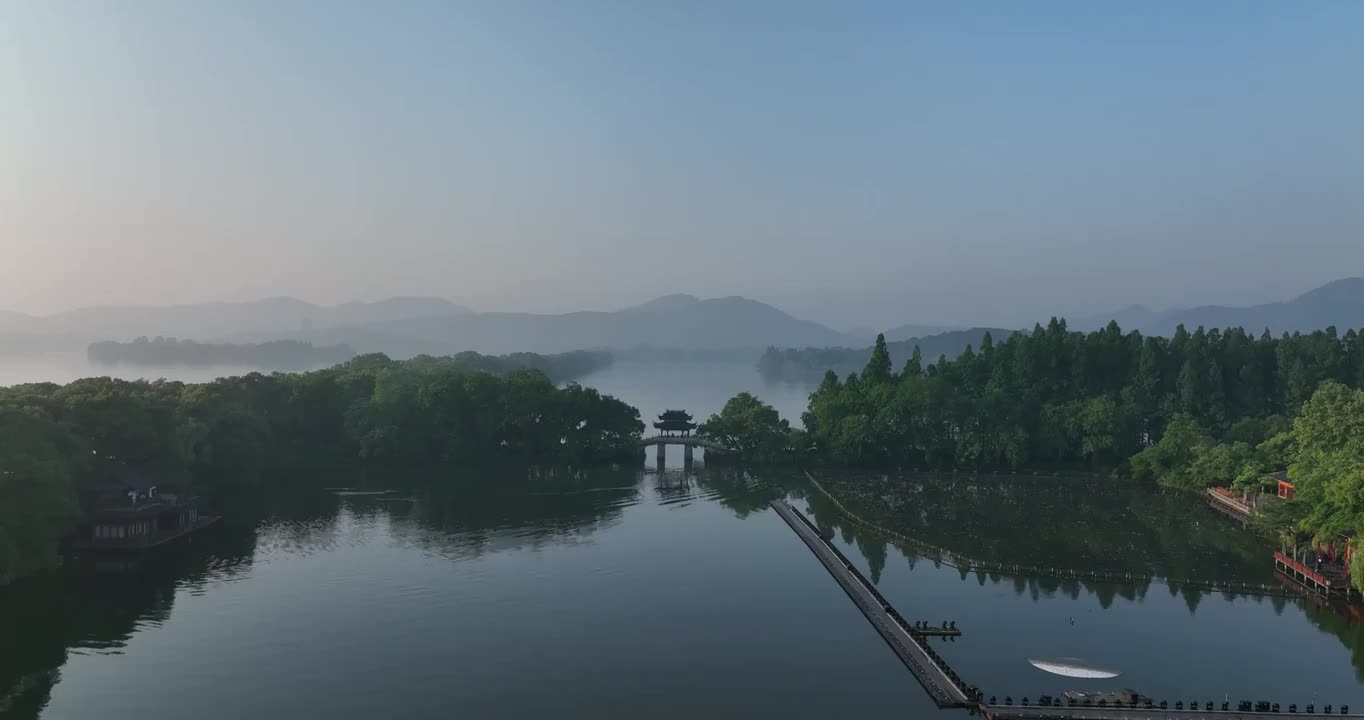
1299, 567
1235, 501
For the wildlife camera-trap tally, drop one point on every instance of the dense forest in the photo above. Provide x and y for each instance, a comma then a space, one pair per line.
62, 443
1052, 398
810, 364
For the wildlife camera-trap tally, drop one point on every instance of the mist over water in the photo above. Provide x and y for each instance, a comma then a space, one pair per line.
62, 367
701, 388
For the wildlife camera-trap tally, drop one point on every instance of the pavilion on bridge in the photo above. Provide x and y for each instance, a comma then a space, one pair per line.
675, 421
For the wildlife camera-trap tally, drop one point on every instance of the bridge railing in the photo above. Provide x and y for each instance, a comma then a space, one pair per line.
693, 440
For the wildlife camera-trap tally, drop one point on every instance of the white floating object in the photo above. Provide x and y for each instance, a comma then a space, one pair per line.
1073, 667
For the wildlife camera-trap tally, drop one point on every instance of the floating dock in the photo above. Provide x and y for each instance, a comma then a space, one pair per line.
1031, 712
935, 632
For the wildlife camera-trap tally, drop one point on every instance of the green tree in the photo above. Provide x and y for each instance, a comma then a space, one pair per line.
1169, 460
1328, 461
914, 366
751, 426
39, 465
1095, 422
236, 432
878, 370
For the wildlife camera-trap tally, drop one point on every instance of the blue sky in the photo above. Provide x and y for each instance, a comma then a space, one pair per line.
962, 162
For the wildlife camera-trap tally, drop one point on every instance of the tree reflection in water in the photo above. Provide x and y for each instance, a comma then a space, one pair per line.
1074, 523
96, 604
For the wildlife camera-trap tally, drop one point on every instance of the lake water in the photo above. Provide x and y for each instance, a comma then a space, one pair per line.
63, 367
627, 592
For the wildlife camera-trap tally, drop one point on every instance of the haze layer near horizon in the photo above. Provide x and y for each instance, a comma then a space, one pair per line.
856, 163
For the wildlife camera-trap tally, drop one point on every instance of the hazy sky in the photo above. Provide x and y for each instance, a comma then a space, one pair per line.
894, 162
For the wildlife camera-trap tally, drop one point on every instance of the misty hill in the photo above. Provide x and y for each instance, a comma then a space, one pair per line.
1339, 303
406, 327
18, 322
809, 364
1132, 317
911, 331
681, 322
666, 303
281, 316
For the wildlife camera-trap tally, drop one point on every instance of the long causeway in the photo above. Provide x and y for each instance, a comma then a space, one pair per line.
931, 671
1000, 712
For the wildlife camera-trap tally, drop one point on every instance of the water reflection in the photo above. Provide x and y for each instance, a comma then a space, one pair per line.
516, 509
746, 492
1066, 523
96, 604
1076, 524
1072, 524
422, 550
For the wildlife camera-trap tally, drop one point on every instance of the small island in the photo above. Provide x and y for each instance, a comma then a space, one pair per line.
274, 355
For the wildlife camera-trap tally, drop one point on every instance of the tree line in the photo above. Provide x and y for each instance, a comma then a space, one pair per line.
1056, 399
1201, 408
63, 443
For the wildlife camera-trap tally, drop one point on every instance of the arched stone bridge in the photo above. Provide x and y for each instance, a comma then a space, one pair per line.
687, 442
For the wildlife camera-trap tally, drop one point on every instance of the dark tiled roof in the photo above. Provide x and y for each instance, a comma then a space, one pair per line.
1280, 475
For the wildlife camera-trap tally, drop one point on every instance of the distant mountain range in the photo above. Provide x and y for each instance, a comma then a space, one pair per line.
1339, 303
282, 316
683, 322
407, 326
909, 332
403, 327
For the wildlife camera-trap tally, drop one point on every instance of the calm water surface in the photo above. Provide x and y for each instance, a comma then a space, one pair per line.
628, 593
